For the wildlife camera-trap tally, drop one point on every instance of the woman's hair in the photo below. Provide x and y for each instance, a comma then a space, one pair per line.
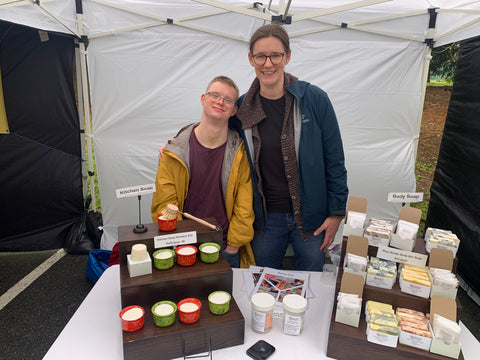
271, 30
225, 80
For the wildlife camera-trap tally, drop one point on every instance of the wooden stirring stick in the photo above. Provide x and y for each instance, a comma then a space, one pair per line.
172, 209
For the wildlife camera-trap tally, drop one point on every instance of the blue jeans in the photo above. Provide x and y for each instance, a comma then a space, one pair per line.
270, 246
233, 259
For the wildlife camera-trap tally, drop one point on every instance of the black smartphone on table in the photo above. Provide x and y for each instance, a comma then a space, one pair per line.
261, 350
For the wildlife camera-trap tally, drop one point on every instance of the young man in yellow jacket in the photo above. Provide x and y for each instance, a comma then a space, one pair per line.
204, 171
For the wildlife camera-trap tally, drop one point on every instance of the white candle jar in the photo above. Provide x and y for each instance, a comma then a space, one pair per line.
262, 312
294, 307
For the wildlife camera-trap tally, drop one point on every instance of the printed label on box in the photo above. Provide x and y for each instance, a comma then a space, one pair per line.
380, 281
381, 338
419, 342
377, 241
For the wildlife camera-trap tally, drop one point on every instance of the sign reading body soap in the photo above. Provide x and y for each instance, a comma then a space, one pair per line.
404, 197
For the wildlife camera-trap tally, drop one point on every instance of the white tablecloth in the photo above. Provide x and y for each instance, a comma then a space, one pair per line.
97, 324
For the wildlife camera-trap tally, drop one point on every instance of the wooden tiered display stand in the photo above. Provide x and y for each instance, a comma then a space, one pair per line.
348, 342
199, 280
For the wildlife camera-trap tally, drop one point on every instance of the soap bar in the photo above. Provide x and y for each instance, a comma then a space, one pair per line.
139, 252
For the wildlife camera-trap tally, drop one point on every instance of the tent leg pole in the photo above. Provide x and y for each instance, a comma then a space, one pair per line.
426, 65
81, 121
86, 110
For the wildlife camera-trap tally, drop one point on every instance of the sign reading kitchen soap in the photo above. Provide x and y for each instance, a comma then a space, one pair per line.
135, 190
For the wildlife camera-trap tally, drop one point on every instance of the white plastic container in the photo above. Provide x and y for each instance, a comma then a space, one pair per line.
294, 307
262, 312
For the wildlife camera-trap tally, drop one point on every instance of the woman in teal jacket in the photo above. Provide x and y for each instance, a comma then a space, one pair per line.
296, 157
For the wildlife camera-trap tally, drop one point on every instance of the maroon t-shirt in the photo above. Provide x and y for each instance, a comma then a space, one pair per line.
205, 195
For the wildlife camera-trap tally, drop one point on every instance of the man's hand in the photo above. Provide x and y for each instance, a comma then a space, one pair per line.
160, 152
231, 249
330, 226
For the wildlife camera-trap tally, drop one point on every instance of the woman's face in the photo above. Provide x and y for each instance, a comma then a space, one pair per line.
269, 74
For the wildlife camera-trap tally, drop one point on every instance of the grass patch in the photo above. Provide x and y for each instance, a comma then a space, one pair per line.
440, 82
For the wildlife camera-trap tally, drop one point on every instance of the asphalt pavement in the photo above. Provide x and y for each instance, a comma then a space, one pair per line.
33, 319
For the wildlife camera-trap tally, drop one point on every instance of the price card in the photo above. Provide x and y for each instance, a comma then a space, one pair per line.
401, 256
183, 238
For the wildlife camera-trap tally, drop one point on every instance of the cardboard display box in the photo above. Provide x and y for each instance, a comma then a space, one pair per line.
351, 284
442, 259
357, 205
356, 245
410, 215
447, 308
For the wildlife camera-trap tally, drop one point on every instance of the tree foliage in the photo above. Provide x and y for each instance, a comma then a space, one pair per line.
444, 61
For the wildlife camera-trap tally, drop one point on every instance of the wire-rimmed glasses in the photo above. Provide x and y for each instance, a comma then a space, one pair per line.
216, 97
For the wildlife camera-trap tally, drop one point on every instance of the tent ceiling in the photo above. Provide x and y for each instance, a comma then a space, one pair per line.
405, 19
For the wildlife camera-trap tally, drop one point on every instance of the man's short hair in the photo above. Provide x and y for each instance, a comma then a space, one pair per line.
225, 80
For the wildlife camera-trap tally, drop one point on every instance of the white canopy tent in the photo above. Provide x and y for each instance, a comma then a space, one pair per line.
148, 62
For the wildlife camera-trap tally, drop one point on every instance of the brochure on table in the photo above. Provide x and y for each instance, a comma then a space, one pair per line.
280, 283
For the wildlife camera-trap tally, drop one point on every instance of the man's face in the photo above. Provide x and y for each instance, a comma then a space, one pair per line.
219, 102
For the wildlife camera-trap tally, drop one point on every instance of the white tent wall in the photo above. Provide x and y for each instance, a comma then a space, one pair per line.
146, 78
147, 84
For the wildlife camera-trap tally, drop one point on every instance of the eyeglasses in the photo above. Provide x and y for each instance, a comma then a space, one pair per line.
216, 97
261, 59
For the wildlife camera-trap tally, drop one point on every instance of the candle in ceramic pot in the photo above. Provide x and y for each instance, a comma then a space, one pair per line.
132, 314
163, 255
188, 307
164, 309
186, 251
219, 298
209, 249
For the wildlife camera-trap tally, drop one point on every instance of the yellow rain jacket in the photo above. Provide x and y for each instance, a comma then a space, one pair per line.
172, 182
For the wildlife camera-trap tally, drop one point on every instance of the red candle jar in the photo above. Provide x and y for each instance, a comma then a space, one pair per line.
186, 255
165, 224
189, 310
132, 318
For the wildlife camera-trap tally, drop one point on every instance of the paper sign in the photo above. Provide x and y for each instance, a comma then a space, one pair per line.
405, 197
135, 190
183, 238
401, 256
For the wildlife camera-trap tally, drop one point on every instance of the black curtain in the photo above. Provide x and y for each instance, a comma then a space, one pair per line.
40, 165
455, 191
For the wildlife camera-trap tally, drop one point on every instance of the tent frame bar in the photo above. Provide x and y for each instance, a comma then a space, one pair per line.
82, 54
49, 12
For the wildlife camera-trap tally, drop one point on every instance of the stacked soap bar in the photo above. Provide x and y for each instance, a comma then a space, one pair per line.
415, 274
415, 280
443, 239
381, 267
378, 232
381, 317
413, 322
